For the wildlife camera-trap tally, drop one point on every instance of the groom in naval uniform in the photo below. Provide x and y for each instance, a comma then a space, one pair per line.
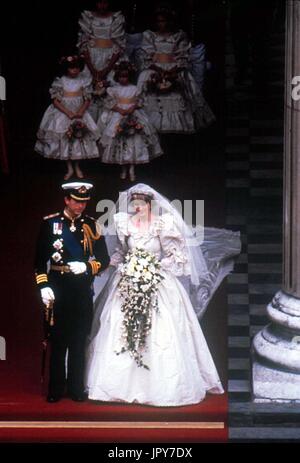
72, 244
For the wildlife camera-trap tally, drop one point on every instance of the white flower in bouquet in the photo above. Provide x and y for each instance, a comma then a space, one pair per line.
148, 275
145, 287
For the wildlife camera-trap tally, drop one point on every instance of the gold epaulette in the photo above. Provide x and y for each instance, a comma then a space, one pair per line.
51, 216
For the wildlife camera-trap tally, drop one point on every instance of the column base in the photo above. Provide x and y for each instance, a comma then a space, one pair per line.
271, 385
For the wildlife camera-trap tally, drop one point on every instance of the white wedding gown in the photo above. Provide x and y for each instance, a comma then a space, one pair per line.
181, 368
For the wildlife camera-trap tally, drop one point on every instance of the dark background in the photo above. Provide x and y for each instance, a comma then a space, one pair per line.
33, 35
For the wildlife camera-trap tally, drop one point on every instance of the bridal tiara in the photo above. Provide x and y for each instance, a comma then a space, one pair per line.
140, 192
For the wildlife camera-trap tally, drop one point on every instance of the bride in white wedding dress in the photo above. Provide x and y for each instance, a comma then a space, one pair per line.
179, 367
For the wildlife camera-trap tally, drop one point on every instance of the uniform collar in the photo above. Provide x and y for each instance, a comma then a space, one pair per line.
72, 219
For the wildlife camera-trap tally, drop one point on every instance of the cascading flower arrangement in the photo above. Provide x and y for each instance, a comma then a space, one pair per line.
140, 276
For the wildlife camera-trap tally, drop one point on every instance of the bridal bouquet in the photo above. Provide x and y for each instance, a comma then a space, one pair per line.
129, 126
140, 276
77, 130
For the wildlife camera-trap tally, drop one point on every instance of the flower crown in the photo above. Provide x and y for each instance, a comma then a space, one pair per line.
71, 59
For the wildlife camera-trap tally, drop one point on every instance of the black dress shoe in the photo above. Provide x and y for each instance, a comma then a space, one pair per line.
51, 398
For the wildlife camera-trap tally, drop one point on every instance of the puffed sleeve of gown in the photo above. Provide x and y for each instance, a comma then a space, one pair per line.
110, 99
85, 30
118, 35
56, 90
147, 50
175, 257
182, 49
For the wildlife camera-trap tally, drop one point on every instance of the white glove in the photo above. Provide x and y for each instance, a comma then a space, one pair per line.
77, 267
47, 296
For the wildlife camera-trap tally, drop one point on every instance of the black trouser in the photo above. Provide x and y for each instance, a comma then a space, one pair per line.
73, 309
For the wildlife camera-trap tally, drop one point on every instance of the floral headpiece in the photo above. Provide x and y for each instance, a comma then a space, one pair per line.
72, 60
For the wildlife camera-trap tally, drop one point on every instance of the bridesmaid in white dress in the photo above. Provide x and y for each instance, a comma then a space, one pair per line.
181, 369
124, 103
164, 55
71, 97
102, 40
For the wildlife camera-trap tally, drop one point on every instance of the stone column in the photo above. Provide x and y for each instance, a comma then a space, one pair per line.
276, 365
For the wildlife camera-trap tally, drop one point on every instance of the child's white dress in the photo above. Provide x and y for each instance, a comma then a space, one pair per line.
139, 148
183, 110
102, 38
52, 137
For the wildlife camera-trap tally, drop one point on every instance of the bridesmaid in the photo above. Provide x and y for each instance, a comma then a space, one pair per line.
67, 131
128, 138
173, 100
102, 40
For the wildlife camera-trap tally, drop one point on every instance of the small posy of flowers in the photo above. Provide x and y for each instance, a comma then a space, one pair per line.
129, 126
140, 276
162, 82
58, 245
99, 87
77, 130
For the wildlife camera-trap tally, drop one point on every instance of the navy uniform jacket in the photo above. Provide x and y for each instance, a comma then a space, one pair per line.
61, 241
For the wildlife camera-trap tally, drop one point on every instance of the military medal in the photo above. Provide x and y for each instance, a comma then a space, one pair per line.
72, 226
57, 228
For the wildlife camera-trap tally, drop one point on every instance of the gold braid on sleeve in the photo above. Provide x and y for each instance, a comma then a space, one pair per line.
88, 238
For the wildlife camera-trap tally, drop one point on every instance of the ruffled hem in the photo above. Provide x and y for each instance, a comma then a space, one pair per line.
132, 151
47, 136
62, 149
177, 122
